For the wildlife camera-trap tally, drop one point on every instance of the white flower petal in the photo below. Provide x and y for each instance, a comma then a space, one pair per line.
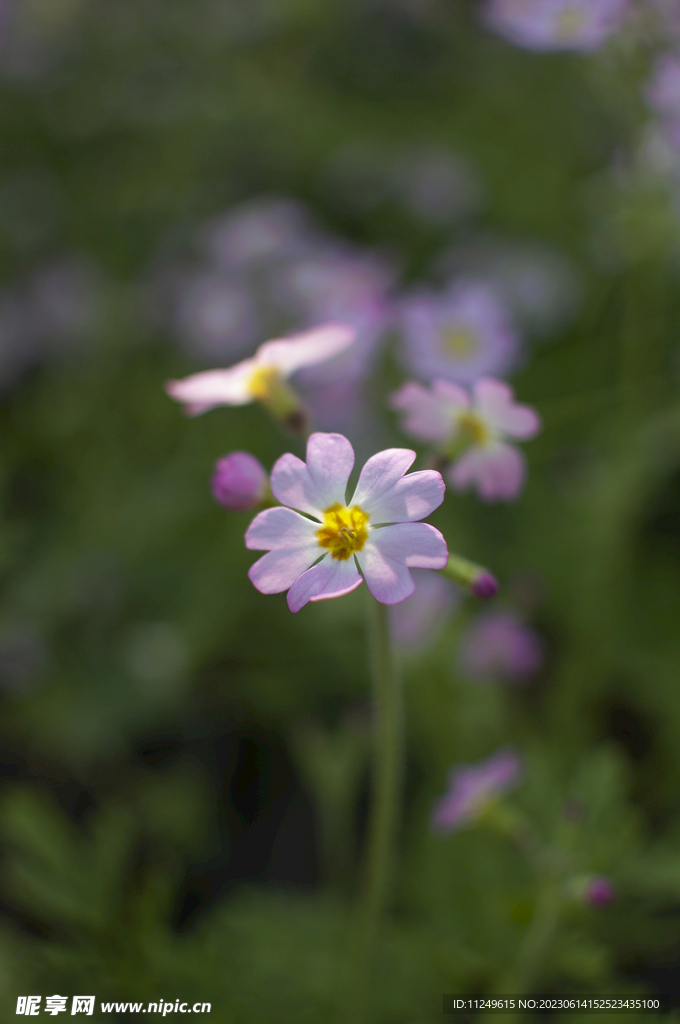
430, 415
203, 391
278, 570
328, 578
390, 497
495, 401
307, 348
319, 484
388, 579
278, 528
417, 545
292, 484
330, 459
380, 474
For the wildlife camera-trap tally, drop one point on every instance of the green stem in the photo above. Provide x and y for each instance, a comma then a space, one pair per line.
387, 760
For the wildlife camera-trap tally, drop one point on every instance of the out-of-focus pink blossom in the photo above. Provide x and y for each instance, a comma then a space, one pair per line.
663, 91
253, 378
538, 284
257, 232
473, 786
239, 481
473, 430
556, 24
459, 335
668, 15
215, 315
599, 891
499, 646
343, 286
418, 619
353, 289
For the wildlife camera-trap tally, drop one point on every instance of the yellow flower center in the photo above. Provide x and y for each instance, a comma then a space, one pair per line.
343, 531
262, 381
568, 24
473, 429
459, 341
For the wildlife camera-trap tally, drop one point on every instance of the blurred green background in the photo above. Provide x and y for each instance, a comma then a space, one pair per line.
185, 763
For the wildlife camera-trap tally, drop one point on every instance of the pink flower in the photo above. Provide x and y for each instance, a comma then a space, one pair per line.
460, 334
239, 482
255, 378
256, 232
499, 646
319, 554
473, 787
214, 315
417, 620
472, 429
663, 92
556, 24
349, 288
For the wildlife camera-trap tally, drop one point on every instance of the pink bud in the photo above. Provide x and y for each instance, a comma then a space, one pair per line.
599, 891
239, 482
485, 586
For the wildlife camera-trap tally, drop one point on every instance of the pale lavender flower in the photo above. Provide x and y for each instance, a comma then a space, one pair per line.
376, 532
239, 481
538, 284
460, 335
253, 378
499, 647
661, 147
215, 315
257, 232
340, 403
352, 289
344, 287
668, 14
417, 620
472, 787
473, 430
663, 91
556, 24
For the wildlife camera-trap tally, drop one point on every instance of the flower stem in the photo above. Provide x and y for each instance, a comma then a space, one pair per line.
382, 829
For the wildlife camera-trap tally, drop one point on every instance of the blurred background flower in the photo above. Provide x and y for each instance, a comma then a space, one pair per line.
499, 647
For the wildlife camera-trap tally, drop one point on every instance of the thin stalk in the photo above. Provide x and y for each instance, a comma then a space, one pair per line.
384, 809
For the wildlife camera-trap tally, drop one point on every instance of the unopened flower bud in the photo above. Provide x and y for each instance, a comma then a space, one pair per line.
239, 482
485, 586
478, 580
599, 891
591, 890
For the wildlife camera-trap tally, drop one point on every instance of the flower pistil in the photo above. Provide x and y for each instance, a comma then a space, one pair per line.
343, 531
